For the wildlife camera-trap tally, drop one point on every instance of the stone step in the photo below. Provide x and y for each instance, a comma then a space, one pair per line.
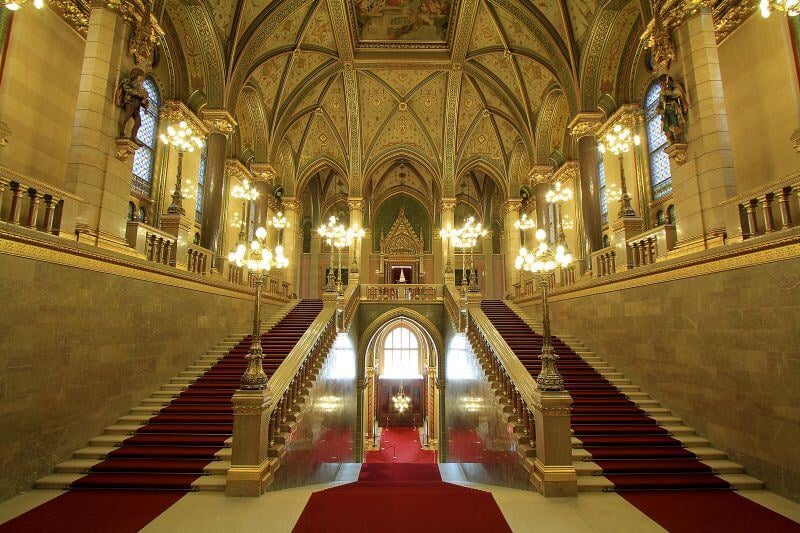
94, 452
141, 418
589, 468
706, 453
57, 481
594, 484
122, 429
743, 481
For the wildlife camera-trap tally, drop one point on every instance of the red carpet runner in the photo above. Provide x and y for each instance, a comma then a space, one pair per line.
401, 497
635, 453
171, 451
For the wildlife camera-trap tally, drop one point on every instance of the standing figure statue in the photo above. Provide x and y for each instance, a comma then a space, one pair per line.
673, 110
131, 97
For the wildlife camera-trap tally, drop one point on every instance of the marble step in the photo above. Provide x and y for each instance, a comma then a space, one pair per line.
78, 466
600, 483
589, 468
64, 480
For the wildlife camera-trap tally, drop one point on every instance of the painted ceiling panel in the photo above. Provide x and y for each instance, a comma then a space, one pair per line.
428, 105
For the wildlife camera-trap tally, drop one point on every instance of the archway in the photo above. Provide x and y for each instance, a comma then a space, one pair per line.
401, 349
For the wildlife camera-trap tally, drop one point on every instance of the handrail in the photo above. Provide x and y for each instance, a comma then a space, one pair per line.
349, 305
452, 300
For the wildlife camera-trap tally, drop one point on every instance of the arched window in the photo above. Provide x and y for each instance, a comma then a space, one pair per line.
144, 157
201, 180
660, 220
131, 211
660, 173
142, 215
401, 354
601, 178
606, 241
196, 239
671, 215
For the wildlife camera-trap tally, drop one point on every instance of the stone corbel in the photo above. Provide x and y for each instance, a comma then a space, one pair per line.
796, 141
218, 121
540, 174
125, 148
174, 111
677, 152
5, 133
263, 172
237, 170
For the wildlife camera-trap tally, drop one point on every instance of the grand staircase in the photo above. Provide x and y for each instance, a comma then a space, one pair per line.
622, 438
180, 437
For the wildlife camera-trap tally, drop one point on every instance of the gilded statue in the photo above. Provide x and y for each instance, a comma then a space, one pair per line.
131, 97
673, 110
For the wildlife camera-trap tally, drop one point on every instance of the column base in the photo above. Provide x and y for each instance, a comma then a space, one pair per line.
554, 481
246, 481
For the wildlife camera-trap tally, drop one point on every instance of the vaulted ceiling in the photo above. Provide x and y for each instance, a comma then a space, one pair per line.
449, 86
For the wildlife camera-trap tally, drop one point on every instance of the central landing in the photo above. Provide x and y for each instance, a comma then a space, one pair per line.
400, 445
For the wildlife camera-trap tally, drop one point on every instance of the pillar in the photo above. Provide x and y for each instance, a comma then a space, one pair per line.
706, 180
219, 123
94, 172
584, 126
356, 207
292, 242
553, 474
447, 209
512, 242
250, 473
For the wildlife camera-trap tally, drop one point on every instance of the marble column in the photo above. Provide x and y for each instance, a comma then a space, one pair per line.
447, 212
706, 179
292, 241
512, 242
94, 172
540, 176
584, 127
219, 123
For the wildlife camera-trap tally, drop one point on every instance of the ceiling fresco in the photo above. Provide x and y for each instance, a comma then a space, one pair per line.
424, 22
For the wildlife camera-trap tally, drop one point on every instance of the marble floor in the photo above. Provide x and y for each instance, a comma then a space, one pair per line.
277, 511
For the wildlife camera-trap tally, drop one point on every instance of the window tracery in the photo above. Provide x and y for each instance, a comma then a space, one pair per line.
660, 172
144, 157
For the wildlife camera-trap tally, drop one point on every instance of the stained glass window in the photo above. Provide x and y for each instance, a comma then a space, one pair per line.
401, 354
144, 157
201, 180
601, 178
660, 174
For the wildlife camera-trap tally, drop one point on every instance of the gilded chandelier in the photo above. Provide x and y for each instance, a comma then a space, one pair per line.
790, 7
401, 400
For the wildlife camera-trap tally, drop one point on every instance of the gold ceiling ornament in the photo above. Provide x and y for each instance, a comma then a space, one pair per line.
142, 44
74, 12
585, 123
659, 43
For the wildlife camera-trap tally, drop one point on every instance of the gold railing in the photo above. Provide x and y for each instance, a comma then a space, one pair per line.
38, 195
405, 292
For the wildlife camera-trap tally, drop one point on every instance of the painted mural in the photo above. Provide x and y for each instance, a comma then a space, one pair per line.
402, 20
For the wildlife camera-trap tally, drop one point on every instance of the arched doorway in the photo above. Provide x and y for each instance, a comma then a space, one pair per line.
401, 355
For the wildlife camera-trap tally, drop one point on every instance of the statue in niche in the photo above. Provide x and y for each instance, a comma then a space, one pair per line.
131, 97
673, 110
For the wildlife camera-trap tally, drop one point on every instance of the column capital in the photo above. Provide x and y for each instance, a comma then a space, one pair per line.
176, 111
447, 204
511, 205
236, 169
629, 116
540, 174
355, 204
263, 172
290, 203
585, 123
570, 170
218, 121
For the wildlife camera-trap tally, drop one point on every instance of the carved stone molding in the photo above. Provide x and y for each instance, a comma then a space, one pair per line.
447, 205
512, 205
291, 203
74, 12
175, 111
628, 115
218, 121
677, 152
728, 15
585, 123
355, 204
125, 148
796, 141
237, 170
5, 133
131, 11
540, 174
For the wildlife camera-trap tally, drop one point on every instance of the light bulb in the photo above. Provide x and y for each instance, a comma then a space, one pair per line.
231, 257
279, 249
540, 234
261, 233
523, 251
38, 4
518, 262
240, 250
542, 247
255, 245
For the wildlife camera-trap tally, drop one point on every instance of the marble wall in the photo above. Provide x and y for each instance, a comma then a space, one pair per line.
79, 348
720, 350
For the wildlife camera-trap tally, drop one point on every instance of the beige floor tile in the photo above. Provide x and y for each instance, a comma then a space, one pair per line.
25, 502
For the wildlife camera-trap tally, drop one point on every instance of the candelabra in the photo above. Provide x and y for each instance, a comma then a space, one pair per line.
341, 239
450, 234
619, 142
355, 234
557, 196
183, 141
247, 193
259, 260
541, 262
279, 222
470, 234
328, 232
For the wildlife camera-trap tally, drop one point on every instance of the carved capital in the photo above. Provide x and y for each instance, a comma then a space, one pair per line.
570, 170
540, 174
237, 170
512, 205
677, 153
263, 172
125, 148
175, 111
290, 203
355, 204
585, 123
447, 204
629, 116
218, 121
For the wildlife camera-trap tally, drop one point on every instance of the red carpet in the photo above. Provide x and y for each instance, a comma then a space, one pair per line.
89, 511
401, 445
169, 452
401, 498
709, 511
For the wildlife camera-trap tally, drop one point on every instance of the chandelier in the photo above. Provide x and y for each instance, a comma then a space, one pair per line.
791, 7
14, 5
401, 400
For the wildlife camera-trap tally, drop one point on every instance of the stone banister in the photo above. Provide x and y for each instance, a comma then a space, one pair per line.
764, 209
406, 293
652, 245
541, 418
454, 304
45, 210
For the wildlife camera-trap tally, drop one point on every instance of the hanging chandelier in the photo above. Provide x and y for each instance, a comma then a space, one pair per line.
14, 5
401, 400
791, 7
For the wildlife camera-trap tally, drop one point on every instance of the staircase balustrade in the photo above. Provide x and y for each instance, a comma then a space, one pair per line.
151, 243
45, 203
782, 196
407, 292
349, 305
198, 259
454, 304
541, 419
652, 245
605, 261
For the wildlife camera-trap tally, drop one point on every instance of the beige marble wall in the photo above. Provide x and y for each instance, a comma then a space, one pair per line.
721, 350
79, 348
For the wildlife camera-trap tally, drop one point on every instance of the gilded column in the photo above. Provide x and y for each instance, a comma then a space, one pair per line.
584, 127
292, 247
447, 208
510, 216
220, 124
356, 207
